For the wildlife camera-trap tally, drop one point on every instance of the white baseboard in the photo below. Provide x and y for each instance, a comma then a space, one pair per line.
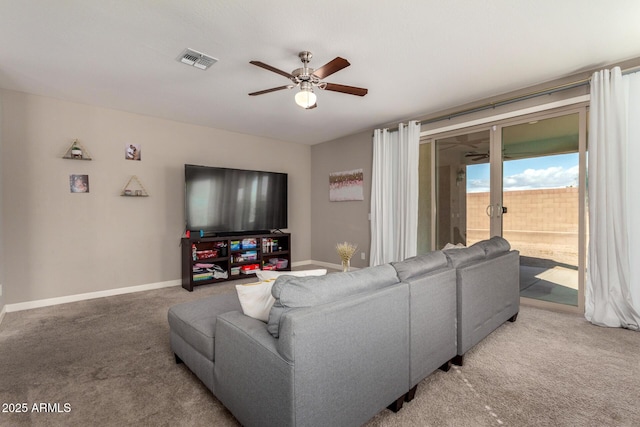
322, 264
326, 264
119, 291
299, 263
318, 263
90, 295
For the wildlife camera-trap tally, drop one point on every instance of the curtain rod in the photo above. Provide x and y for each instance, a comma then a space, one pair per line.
549, 91
507, 101
490, 105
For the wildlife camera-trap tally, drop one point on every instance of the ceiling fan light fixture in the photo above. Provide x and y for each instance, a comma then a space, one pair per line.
306, 78
305, 98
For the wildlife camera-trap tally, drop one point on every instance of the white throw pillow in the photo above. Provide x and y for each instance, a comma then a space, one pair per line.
270, 274
256, 299
452, 246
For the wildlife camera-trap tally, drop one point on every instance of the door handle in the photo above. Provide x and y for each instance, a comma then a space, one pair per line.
501, 209
489, 211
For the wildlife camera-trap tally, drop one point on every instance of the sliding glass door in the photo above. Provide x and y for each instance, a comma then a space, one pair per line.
462, 165
522, 180
541, 186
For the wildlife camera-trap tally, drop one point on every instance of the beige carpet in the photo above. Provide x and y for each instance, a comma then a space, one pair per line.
109, 360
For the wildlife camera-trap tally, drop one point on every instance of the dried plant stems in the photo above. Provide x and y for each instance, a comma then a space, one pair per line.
346, 250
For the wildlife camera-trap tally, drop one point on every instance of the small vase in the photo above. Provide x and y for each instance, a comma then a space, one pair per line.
346, 264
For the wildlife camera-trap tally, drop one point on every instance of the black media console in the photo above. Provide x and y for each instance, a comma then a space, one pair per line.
207, 260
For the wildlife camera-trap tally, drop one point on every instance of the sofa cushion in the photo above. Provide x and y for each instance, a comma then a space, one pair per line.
419, 265
294, 292
494, 246
195, 321
460, 257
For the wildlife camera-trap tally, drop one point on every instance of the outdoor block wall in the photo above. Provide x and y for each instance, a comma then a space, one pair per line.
540, 223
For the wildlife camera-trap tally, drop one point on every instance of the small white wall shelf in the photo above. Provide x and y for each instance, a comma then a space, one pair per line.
76, 152
134, 188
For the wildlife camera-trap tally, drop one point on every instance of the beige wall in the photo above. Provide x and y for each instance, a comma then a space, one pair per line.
335, 222
58, 244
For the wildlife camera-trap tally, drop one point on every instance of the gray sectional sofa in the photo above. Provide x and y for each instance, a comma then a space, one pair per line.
338, 349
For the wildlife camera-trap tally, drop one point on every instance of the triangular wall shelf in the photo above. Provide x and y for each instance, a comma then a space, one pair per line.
72, 155
134, 188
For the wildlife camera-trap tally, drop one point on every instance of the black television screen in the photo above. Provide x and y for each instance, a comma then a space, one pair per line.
222, 200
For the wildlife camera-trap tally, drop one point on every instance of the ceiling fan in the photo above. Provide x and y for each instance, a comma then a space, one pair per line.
476, 156
474, 144
307, 78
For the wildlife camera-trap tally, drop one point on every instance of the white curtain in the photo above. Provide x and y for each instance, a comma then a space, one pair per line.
394, 194
613, 278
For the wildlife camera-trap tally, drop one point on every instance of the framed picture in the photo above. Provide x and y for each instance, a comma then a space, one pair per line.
79, 183
347, 185
133, 151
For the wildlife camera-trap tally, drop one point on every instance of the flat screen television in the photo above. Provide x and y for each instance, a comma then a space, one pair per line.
228, 201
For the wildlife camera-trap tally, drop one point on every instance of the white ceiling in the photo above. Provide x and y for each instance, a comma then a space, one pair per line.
415, 57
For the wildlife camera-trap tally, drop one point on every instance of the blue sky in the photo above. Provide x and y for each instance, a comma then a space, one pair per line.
557, 171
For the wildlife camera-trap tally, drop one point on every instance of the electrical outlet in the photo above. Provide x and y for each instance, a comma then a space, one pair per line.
0, 290
362, 255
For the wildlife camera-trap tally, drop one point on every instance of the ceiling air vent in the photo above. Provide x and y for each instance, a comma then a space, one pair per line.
196, 59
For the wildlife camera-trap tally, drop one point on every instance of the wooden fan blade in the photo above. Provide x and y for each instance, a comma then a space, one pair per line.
477, 156
273, 89
274, 69
351, 90
331, 67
